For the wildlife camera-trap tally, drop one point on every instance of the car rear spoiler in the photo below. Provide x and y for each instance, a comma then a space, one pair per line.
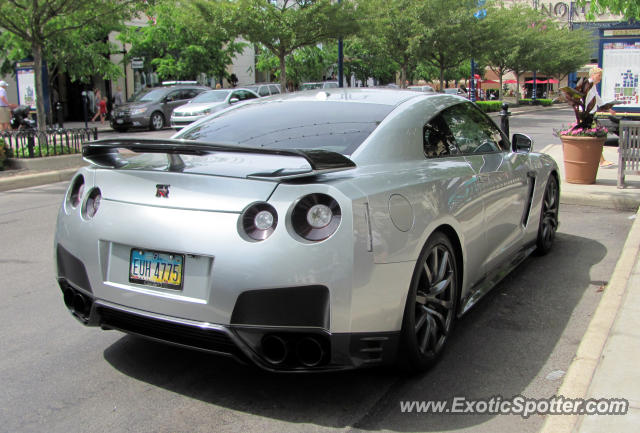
104, 153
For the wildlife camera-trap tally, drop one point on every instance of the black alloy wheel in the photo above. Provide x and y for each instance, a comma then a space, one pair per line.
548, 217
431, 305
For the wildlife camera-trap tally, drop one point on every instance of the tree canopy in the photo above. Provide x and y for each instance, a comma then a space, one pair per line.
287, 25
41, 25
180, 42
629, 8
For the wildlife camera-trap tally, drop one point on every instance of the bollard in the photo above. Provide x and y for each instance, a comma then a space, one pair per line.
59, 114
504, 118
31, 142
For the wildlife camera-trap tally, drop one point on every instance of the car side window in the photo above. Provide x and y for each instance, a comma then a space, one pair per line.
274, 89
174, 96
189, 94
263, 91
437, 139
472, 131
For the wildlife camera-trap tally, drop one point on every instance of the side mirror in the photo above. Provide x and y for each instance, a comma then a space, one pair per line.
521, 143
233, 100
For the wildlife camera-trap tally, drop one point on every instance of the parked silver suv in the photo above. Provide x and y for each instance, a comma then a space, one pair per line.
264, 89
152, 108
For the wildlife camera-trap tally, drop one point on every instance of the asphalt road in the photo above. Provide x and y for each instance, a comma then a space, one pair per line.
58, 376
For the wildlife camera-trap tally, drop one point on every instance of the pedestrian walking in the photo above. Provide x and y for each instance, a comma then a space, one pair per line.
118, 99
96, 107
5, 107
102, 109
595, 76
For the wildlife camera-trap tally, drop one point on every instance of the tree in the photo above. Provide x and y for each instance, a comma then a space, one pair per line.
629, 8
181, 43
393, 27
309, 63
571, 50
284, 26
39, 23
451, 34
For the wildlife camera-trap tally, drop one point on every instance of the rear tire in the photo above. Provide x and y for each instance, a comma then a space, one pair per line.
548, 217
431, 306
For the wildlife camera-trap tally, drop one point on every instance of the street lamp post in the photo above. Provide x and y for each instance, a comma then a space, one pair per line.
340, 60
479, 14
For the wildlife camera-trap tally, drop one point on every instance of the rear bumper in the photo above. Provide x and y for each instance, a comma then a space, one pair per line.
272, 348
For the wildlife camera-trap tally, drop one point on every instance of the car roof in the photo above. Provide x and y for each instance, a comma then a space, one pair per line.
392, 97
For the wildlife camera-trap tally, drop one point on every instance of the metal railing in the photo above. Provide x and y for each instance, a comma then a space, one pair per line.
24, 143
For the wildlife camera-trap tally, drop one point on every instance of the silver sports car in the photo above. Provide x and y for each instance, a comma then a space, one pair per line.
319, 230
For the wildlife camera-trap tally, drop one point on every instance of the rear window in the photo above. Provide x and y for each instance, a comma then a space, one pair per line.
333, 126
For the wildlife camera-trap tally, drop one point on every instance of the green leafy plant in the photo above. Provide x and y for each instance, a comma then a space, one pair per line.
489, 106
3, 155
585, 124
577, 99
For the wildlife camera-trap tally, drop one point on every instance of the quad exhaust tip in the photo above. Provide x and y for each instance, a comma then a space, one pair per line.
308, 352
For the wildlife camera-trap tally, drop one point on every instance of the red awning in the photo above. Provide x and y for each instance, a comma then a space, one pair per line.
552, 81
537, 81
490, 82
510, 82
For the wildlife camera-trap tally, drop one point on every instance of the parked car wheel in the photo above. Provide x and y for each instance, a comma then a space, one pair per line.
156, 122
548, 217
431, 306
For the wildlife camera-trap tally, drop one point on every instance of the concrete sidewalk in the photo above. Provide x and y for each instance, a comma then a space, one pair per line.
605, 363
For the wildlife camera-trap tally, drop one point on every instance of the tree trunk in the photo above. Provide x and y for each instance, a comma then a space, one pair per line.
403, 76
441, 80
283, 72
36, 49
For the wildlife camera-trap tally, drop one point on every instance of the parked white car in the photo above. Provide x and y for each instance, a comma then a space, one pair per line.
207, 103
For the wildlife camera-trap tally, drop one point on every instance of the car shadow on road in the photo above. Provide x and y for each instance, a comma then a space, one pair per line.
498, 348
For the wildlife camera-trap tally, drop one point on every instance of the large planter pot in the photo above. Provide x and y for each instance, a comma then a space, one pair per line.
581, 158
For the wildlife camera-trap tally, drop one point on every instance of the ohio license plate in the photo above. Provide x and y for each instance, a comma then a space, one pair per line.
156, 269
119, 121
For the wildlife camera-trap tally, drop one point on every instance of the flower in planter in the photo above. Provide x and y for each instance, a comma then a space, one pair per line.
574, 130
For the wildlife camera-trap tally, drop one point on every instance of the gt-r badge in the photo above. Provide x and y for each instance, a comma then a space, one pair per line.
162, 190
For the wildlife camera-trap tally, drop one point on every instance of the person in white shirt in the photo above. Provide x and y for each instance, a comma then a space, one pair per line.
595, 76
5, 107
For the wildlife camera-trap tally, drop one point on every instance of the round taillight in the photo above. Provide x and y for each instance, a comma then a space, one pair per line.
316, 217
259, 221
92, 204
76, 191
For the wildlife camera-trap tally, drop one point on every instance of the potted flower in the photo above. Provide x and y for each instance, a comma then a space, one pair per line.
582, 141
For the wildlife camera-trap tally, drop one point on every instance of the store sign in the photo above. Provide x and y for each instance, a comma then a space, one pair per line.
137, 63
567, 11
622, 32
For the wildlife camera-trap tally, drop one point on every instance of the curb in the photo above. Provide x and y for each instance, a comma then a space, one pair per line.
627, 203
582, 369
36, 179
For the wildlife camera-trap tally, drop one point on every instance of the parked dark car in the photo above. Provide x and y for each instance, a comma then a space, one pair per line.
152, 108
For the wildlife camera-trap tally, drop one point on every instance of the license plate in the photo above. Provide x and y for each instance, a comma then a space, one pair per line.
156, 269
119, 121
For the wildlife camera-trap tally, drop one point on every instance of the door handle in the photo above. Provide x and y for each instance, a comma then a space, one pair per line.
483, 178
